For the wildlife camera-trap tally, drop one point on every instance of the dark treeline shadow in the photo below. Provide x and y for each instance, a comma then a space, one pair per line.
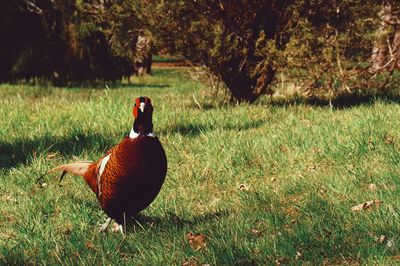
194, 129
141, 221
138, 85
340, 102
21, 151
91, 84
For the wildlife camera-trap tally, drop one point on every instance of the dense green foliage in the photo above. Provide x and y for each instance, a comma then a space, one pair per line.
322, 46
56, 41
265, 184
221, 35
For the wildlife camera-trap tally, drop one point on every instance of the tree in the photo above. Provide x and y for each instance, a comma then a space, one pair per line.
322, 45
222, 35
143, 55
386, 50
53, 40
119, 22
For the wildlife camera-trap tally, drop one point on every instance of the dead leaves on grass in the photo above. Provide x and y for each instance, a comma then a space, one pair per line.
282, 261
196, 241
366, 205
256, 232
298, 256
243, 187
382, 239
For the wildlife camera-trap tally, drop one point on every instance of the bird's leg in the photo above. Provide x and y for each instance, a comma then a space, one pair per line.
121, 229
124, 224
104, 226
116, 226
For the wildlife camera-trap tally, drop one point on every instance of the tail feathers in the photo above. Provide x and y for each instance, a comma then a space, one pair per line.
78, 168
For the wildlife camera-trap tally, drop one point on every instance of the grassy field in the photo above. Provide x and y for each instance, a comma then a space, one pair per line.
264, 184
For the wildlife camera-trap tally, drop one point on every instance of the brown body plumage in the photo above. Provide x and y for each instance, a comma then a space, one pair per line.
130, 175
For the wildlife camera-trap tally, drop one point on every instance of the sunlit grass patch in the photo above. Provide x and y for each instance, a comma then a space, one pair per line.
264, 184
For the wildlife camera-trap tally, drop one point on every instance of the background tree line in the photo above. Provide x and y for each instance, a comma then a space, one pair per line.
327, 48
55, 40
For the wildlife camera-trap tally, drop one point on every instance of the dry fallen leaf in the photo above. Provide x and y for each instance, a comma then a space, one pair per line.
256, 232
192, 262
382, 239
366, 205
243, 187
372, 187
281, 261
196, 241
298, 255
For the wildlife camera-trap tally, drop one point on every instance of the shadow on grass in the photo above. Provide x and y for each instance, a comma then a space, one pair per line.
138, 85
116, 85
340, 102
21, 151
322, 231
141, 221
194, 129
204, 106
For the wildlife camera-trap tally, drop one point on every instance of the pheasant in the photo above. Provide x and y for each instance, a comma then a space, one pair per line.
129, 176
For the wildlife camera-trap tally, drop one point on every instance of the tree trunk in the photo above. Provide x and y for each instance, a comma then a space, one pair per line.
143, 55
396, 44
243, 87
386, 50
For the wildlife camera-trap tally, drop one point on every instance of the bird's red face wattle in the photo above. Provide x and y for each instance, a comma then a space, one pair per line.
142, 108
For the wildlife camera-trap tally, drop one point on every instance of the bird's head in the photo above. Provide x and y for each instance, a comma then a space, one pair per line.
142, 108
142, 113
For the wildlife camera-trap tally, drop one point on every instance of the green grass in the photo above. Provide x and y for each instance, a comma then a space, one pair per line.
166, 59
302, 167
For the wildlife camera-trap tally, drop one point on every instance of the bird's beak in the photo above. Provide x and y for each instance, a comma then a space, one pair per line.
141, 107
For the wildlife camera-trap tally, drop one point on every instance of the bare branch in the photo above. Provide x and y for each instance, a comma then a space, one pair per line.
197, 103
339, 62
32, 7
